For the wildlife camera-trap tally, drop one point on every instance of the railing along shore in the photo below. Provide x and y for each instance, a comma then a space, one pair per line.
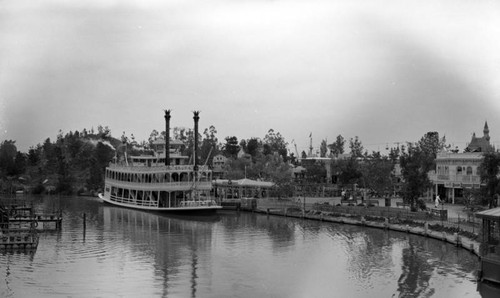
458, 229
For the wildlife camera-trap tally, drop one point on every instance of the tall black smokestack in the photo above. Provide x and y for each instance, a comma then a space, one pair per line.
167, 137
196, 119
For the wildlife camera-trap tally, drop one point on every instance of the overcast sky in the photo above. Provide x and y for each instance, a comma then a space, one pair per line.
385, 71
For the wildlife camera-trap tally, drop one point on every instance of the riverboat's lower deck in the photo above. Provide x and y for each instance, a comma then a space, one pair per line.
159, 200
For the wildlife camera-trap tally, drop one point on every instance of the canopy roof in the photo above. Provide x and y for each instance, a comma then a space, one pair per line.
491, 214
244, 182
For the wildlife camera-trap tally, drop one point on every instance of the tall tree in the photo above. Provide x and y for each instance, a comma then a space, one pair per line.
337, 147
349, 171
8, 152
377, 173
431, 144
275, 142
153, 136
315, 171
254, 146
356, 147
323, 149
209, 145
489, 170
101, 157
415, 166
231, 147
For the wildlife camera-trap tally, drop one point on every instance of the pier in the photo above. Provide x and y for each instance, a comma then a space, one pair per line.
19, 239
20, 224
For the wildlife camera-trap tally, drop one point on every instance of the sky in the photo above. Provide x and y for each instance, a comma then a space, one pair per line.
386, 71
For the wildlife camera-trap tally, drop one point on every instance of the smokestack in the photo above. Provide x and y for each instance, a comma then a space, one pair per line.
196, 119
167, 137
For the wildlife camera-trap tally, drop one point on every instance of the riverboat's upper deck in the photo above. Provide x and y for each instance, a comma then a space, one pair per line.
155, 168
154, 164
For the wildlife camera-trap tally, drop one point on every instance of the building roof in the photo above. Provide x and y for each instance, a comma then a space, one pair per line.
461, 156
480, 144
492, 214
244, 182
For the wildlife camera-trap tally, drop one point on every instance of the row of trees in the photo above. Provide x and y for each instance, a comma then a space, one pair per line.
73, 162
76, 161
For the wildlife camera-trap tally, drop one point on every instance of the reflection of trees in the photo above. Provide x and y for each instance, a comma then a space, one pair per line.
414, 280
368, 250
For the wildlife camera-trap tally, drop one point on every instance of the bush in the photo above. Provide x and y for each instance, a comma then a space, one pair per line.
421, 205
39, 189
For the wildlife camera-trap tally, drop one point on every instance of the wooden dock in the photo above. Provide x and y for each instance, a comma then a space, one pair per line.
19, 226
19, 240
23, 217
37, 221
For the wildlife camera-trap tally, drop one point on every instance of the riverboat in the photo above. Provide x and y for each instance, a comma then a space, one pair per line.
163, 182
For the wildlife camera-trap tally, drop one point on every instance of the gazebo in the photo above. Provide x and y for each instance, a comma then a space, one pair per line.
233, 189
490, 252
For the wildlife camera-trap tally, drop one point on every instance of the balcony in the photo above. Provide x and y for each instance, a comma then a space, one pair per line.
455, 180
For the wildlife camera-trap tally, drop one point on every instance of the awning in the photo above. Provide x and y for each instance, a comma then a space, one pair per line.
491, 214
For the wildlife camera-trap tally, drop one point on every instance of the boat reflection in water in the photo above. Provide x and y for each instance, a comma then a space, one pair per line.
176, 243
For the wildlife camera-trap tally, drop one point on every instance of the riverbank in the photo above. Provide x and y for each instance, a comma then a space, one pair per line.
463, 237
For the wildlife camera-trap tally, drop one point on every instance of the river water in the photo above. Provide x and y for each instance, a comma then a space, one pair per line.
129, 253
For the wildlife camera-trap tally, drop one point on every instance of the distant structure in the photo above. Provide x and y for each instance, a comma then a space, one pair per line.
458, 171
218, 166
480, 144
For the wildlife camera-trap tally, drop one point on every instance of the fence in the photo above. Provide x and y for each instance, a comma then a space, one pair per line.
453, 222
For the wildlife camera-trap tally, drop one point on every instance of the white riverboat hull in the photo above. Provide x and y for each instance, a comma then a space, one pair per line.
186, 209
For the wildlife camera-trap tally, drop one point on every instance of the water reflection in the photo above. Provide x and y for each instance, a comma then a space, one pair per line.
171, 242
129, 253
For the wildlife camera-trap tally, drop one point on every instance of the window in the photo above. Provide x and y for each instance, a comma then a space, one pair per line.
469, 170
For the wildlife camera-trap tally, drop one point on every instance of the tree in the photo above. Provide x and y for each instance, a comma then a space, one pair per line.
274, 142
254, 145
20, 163
209, 145
186, 136
337, 147
394, 154
356, 147
377, 173
315, 171
489, 170
430, 144
101, 157
8, 152
34, 155
414, 169
231, 147
323, 149
103, 133
349, 171
153, 136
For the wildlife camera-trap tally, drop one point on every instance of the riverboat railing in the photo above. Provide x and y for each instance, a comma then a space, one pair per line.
182, 185
156, 168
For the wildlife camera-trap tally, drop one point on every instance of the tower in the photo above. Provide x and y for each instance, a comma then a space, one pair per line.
167, 137
486, 131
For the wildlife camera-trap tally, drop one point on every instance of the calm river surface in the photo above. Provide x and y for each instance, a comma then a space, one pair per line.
129, 253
